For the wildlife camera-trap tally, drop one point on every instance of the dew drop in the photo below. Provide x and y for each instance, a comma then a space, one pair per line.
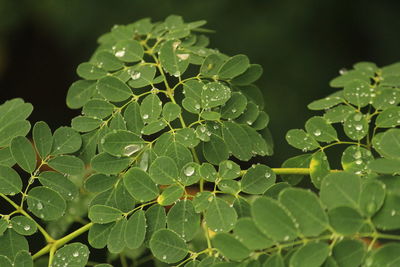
75, 254
27, 227
39, 206
359, 127
145, 116
267, 175
189, 171
130, 149
120, 53
164, 257
317, 132
135, 75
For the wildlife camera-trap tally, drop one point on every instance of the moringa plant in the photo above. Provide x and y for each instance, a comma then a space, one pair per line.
155, 169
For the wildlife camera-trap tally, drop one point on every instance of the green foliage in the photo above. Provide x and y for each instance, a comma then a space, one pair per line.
154, 166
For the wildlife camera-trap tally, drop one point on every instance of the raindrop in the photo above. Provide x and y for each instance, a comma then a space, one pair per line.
27, 227
75, 254
130, 149
120, 53
39, 206
145, 116
164, 257
358, 127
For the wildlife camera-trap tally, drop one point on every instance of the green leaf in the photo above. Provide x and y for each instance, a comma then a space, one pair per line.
340, 189
356, 126
156, 219
12, 243
300, 139
211, 65
67, 164
98, 108
46, 203
274, 260
349, 76
150, 108
133, 119
357, 92
153, 127
98, 234
234, 107
202, 201
115, 241
386, 97
104, 214
310, 255
321, 130
23, 259
122, 143
338, 114
10, 181
208, 172
319, 167
142, 75
274, 190
237, 140
43, 138
3, 226
327, 102
6, 158
191, 105
23, 153
170, 195
387, 255
79, 93
135, 230
128, 51
247, 233
11, 130
59, 183
180, 154
66, 140
306, 209
193, 89
230, 247
163, 170
99, 182
73, 255
372, 197
215, 150
90, 71
388, 118
273, 219
167, 246
252, 74
261, 122
187, 137
113, 89
210, 115
250, 115
183, 220
301, 161
356, 159
23, 225
170, 60
345, 220
385, 166
171, 111
229, 187
140, 185
220, 216
390, 143
189, 174
257, 179
4, 261
388, 216
214, 94
233, 67
228, 170
107, 164
349, 253
85, 124
107, 61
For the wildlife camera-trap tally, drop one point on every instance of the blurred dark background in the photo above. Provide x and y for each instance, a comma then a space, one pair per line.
300, 44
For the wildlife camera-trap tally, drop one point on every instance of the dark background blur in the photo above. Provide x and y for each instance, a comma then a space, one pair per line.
300, 44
